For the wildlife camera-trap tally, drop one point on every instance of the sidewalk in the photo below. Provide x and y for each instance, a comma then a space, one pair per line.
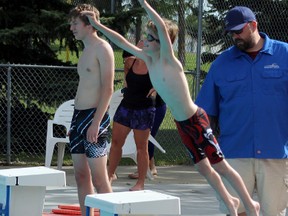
196, 196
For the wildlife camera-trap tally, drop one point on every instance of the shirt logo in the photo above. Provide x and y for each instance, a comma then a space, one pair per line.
272, 66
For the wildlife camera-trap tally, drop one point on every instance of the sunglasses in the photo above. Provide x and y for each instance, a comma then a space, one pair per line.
237, 32
150, 38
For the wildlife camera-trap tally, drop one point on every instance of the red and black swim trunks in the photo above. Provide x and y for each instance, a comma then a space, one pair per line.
197, 136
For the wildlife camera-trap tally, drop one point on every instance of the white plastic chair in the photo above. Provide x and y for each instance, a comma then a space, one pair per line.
63, 116
129, 149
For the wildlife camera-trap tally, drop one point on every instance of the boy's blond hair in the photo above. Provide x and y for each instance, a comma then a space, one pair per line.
171, 27
76, 12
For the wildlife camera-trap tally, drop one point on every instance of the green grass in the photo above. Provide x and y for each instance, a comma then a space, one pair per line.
66, 55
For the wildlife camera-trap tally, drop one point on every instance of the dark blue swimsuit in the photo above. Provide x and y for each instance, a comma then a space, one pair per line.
136, 111
81, 121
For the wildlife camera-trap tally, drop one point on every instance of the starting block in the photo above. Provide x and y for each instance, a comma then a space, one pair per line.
22, 190
145, 202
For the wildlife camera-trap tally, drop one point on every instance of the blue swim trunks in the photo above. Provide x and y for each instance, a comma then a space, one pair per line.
135, 119
81, 121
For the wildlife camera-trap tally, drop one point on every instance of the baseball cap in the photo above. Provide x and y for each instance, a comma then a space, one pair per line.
237, 17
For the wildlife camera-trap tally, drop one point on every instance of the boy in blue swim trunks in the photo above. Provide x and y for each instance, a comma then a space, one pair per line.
81, 121
90, 123
169, 80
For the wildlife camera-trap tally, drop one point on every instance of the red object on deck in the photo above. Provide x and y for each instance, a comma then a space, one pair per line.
68, 210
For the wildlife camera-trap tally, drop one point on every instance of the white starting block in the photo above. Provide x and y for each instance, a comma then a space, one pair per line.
22, 190
138, 203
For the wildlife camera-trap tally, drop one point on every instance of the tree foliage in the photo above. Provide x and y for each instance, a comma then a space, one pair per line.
28, 27
272, 17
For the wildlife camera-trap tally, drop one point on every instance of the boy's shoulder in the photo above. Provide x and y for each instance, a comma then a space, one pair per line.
101, 44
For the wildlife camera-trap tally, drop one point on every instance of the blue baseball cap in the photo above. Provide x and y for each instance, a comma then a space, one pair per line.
237, 17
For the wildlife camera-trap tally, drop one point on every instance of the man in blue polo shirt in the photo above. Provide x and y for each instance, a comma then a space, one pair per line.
246, 90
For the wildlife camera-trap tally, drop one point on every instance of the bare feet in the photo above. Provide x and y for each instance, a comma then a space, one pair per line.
255, 210
152, 166
114, 177
110, 180
154, 172
135, 175
232, 208
137, 187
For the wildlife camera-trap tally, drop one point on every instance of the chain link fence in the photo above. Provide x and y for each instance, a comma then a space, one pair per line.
30, 95
201, 25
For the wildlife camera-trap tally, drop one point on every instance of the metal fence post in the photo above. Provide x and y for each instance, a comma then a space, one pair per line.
48, 87
199, 45
8, 156
112, 6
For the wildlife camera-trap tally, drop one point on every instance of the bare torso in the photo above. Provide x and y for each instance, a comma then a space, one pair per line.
170, 82
89, 87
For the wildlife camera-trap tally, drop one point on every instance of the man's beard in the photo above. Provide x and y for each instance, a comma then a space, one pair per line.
243, 45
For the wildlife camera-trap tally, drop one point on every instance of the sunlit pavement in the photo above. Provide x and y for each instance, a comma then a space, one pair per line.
196, 196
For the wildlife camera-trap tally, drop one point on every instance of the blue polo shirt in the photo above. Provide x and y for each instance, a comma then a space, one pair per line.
250, 98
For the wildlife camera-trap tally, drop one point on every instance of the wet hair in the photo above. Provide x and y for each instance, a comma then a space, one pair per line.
171, 27
76, 12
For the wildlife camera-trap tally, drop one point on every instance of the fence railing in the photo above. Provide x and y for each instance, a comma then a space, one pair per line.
29, 97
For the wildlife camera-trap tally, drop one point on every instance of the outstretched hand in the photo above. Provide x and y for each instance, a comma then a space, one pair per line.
91, 17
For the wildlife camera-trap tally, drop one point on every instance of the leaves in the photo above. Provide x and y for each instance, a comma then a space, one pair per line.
28, 27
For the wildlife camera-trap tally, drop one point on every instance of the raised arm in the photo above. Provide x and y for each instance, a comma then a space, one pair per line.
165, 42
115, 37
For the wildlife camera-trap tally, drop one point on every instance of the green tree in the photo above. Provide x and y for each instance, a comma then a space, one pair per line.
272, 17
28, 27
127, 14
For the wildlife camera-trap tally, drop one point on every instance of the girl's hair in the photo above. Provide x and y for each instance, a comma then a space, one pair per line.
171, 27
76, 12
